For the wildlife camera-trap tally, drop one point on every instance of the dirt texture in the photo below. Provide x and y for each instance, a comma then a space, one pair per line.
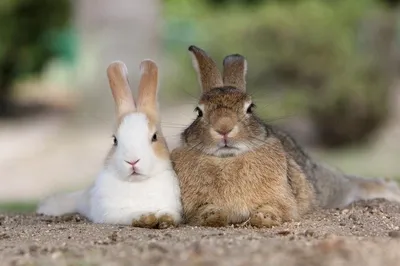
366, 233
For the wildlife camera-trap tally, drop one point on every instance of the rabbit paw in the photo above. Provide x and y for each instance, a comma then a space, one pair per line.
213, 217
166, 221
146, 221
264, 219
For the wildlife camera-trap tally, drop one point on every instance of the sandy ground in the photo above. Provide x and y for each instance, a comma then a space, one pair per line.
364, 234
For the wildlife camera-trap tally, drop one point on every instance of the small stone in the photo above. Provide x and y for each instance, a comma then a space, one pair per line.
99, 242
20, 252
394, 234
284, 232
33, 248
4, 236
330, 236
114, 236
353, 217
330, 245
156, 246
196, 248
342, 224
309, 233
373, 211
56, 255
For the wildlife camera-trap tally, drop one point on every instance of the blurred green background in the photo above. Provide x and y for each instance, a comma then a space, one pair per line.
324, 70
322, 59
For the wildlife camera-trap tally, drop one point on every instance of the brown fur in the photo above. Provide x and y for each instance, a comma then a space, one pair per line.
263, 185
166, 221
271, 180
233, 66
240, 186
160, 147
151, 221
146, 221
210, 76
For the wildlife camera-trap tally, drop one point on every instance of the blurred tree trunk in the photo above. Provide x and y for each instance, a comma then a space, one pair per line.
394, 93
7, 76
389, 33
124, 30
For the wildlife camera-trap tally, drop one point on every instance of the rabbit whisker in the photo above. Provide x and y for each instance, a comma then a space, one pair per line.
179, 127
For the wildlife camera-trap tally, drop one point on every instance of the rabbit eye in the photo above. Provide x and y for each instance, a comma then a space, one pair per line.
250, 108
154, 138
199, 112
115, 140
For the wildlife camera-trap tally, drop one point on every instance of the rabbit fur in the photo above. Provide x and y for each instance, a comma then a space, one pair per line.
235, 168
137, 184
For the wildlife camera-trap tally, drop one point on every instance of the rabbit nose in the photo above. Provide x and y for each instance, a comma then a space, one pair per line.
132, 163
224, 125
224, 132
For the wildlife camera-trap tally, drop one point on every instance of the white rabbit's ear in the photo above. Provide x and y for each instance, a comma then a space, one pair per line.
207, 71
117, 73
148, 88
235, 70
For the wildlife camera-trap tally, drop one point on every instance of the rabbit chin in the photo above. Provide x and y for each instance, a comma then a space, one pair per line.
128, 176
136, 177
234, 149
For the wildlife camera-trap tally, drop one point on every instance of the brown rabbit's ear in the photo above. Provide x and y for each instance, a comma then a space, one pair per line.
207, 72
148, 88
117, 73
235, 69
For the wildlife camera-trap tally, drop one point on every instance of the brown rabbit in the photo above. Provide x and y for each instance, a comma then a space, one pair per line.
233, 167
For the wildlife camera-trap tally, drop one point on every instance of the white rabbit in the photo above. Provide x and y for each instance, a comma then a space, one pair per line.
137, 184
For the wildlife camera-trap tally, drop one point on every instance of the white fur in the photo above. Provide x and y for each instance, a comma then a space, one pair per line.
119, 202
117, 197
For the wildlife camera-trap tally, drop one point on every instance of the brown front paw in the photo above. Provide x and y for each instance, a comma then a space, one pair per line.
264, 219
146, 221
166, 221
213, 217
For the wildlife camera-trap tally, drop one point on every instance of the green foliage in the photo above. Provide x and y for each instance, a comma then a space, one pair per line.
17, 207
310, 53
28, 31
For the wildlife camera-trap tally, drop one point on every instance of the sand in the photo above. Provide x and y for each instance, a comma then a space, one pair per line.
366, 233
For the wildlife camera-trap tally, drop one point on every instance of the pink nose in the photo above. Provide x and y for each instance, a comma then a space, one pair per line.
132, 163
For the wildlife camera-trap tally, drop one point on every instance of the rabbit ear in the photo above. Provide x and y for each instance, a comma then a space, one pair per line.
148, 87
207, 72
117, 73
235, 69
